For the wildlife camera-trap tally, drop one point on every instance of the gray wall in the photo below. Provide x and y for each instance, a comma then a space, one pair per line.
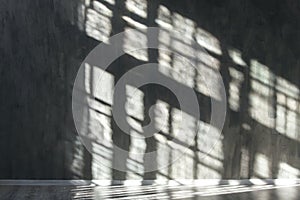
44, 42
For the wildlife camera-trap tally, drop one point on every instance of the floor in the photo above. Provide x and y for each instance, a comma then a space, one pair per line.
221, 192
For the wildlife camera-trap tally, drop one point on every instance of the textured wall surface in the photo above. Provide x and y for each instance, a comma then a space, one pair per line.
254, 44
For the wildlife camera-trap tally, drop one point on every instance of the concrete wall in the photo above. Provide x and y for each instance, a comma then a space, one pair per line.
44, 42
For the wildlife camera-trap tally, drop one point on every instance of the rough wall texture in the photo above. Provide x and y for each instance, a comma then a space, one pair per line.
43, 43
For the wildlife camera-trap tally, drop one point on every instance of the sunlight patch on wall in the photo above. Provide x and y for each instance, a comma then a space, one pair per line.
99, 106
175, 46
261, 96
176, 65
209, 136
182, 157
164, 19
183, 126
87, 78
184, 28
94, 18
136, 156
179, 59
181, 71
98, 123
287, 109
98, 21
209, 152
134, 24
77, 163
162, 114
206, 59
135, 110
138, 7
134, 107
102, 161
236, 57
81, 9
135, 40
100, 127
134, 102
207, 82
206, 172
237, 79
261, 73
210, 141
112, 2
274, 101
209, 167
261, 166
287, 88
100, 133
209, 149
101, 77
287, 171
163, 157
208, 41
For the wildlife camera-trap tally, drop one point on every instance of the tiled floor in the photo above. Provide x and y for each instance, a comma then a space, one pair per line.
221, 192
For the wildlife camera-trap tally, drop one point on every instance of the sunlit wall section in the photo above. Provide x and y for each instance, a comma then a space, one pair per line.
173, 141
81, 105
101, 161
176, 54
208, 41
94, 17
208, 66
183, 130
93, 106
182, 162
261, 96
193, 67
287, 109
237, 78
135, 161
286, 171
209, 150
138, 7
102, 144
164, 21
76, 158
261, 166
162, 123
176, 60
181, 59
183, 126
207, 81
274, 103
135, 115
236, 57
137, 14
187, 142
81, 11
100, 131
